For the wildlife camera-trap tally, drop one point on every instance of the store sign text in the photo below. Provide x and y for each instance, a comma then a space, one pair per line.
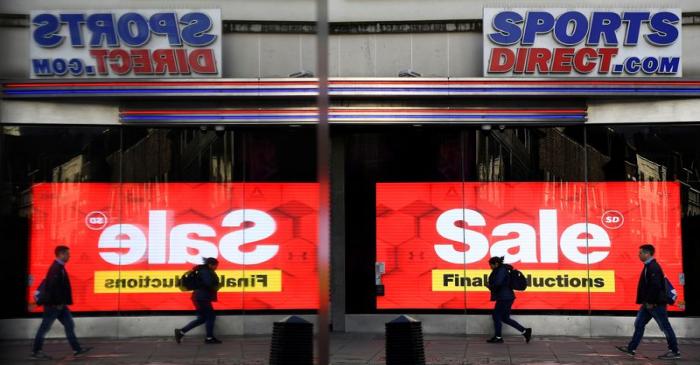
582, 42
136, 245
526, 239
126, 43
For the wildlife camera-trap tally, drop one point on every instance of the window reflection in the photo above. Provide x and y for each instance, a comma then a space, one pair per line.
129, 156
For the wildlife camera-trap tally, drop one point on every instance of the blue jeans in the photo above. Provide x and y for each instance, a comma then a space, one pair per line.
52, 313
661, 317
501, 314
205, 315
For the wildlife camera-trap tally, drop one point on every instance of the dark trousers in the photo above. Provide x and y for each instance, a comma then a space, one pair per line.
52, 313
661, 317
501, 314
205, 315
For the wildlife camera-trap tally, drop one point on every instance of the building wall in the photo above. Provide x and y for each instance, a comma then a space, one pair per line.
262, 55
340, 10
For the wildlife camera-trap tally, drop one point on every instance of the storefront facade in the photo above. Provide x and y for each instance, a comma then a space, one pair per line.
478, 152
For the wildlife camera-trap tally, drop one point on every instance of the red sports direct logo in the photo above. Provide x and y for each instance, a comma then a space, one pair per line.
612, 219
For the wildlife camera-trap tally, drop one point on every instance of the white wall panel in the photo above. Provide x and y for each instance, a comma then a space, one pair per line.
357, 55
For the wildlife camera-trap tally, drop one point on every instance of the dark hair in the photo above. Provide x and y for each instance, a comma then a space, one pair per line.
496, 260
648, 249
210, 261
60, 249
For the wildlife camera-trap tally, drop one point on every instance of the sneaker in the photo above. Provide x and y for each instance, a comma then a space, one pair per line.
82, 351
40, 355
212, 340
178, 335
495, 339
670, 355
625, 350
528, 335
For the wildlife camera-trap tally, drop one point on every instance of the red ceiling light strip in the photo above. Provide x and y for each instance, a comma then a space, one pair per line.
349, 82
353, 111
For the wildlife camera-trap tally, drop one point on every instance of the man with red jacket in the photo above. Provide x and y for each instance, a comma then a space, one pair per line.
651, 295
56, 297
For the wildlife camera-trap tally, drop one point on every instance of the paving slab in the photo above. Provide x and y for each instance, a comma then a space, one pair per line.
353, 349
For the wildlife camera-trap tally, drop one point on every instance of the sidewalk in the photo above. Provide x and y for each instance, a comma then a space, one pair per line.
355, 348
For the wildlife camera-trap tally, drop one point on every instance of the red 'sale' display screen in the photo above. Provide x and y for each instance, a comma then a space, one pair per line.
130, 243
577, 243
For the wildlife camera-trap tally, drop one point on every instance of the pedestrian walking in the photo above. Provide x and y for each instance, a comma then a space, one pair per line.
202, 297
55, 295
502, 293
652, 298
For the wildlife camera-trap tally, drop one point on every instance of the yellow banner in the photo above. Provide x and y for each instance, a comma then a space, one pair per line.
127, 282
595, 281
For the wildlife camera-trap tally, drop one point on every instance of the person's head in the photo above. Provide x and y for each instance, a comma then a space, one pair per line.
211, 262
646, 252
62, 253
495, 262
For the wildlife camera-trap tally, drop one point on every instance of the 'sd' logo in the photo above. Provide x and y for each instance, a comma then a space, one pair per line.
612, 219
96, 220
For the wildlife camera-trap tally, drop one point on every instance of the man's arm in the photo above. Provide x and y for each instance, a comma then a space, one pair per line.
656, 291
52, 285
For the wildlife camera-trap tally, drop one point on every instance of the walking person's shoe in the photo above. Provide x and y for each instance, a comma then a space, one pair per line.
625, 350
212, 340
178, 335
82, 351
670, 355
40, 355
527, 334
495, 339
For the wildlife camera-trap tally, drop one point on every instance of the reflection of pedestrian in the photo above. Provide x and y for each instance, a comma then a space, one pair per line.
503, 295
202, 297
56, 296
651, 294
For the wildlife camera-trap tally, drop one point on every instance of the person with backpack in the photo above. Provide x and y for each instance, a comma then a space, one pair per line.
653, 299
203, 295
55, 295
502, 293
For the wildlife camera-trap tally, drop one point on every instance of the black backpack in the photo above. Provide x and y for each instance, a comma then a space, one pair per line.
517, 279
670, 291
190, 280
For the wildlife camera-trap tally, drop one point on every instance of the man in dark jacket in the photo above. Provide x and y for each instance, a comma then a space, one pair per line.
503, 295
56, 296
651, 295
202, 297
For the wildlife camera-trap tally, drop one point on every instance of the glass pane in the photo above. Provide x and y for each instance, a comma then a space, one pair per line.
646, 181
527, 197
59, 187
143, 205
276, 176
398, 181
176, 193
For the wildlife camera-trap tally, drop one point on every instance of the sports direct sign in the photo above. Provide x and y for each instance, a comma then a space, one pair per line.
131, 243
582, 42
576, 243
125, 43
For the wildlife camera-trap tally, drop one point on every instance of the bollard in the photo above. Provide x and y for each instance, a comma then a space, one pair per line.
404, 342
292, 342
